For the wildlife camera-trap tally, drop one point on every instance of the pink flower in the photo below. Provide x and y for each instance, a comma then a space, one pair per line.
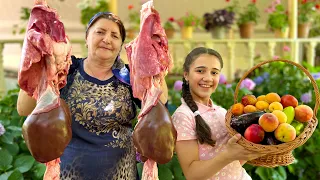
248, 83
286, 48
177, 85
222, 79
276, 57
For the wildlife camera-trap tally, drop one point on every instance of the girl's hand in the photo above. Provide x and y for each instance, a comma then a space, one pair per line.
237, 152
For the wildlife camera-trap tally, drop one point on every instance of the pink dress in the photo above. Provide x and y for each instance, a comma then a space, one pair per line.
214, 116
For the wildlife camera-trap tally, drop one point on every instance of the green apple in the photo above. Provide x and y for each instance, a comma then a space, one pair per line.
289, 111
298, 126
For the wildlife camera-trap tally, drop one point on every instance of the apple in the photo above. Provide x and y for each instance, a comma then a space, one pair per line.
303, 113
269, 122
285, 132
289, 100
254, 133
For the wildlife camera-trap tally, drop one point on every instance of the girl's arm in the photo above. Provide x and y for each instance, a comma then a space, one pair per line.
195, 169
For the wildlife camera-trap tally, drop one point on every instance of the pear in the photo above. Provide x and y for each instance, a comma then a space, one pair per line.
289, 111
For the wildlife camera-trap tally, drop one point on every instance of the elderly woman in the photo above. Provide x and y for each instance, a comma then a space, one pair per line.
100, 99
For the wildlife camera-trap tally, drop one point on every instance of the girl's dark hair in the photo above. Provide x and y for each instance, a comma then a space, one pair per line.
109, 16
202, 129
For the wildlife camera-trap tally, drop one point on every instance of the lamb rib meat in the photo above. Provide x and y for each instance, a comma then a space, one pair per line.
154, 135
44, 65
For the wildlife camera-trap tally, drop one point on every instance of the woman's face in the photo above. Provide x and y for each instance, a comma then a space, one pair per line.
104, 40
203, 77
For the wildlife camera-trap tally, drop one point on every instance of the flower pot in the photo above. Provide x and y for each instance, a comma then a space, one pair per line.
186, 32
169, 33
131, 33
303, 30
246, 30
218, 32
278, 33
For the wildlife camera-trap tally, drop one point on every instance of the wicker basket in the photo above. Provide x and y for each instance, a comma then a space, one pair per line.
281, 154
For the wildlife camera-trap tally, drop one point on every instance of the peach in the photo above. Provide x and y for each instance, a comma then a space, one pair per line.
285, 132
254, 133
249, 109
248, 99
289, 100
303, 113
275, 106
262, 105
237, 109
282, 117
269, 122
272, 97
261, 98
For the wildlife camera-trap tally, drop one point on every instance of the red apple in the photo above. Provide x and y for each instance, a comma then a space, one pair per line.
289, 100
254, 133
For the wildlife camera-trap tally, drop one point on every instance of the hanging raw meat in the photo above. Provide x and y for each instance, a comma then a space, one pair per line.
43, 70
154, 135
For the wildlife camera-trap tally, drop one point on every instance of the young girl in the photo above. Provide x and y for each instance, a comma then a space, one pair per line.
204, 148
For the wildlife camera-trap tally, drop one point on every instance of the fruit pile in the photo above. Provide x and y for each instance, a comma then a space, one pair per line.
270, 119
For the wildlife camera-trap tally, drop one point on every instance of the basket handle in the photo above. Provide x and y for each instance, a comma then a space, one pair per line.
314, 84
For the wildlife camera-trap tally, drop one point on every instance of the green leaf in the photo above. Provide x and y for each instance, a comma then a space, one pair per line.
140, 168
262, 172
12, 148
164, 172
16, 175
24, 163
23, 146
5, 168
5, 175
38, 170
6, 157
7, 138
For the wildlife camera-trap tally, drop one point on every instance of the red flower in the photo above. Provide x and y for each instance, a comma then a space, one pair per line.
317, 6
171, 19
304, 1
130, 7
228, 0
254, 1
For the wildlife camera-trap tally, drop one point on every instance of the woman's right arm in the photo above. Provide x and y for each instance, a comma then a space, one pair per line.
25, 103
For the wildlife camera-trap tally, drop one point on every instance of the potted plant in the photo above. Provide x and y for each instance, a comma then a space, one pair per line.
306, 15
278, 19
218, 21
248, 19
187, 23
134, 22
87, 10
169, 27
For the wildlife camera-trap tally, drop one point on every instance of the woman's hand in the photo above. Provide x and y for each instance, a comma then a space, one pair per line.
237, 152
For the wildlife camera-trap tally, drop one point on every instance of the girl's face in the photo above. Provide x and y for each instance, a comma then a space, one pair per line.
104, 40
203, 77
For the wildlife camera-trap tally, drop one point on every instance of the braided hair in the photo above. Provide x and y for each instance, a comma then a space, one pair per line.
202, 129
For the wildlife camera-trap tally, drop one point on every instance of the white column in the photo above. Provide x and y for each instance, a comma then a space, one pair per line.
271, 46
231, 63
2, 83
251, 46
311, 52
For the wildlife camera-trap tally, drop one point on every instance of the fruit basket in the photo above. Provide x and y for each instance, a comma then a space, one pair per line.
280, 154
